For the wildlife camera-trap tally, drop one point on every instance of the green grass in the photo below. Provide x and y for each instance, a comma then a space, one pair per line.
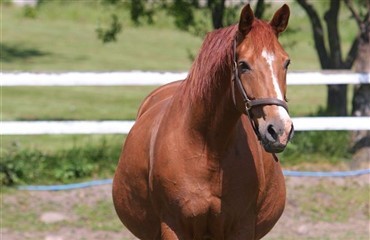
66, 41
72, 103
51, 143
330, 202
110, 103
23, 215
99, 217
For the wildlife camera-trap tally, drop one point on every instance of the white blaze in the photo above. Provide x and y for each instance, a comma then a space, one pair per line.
270, 58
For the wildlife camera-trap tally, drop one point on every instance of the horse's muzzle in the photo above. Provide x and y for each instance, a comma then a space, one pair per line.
275, 137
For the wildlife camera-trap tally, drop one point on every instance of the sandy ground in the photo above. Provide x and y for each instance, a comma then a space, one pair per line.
55, 218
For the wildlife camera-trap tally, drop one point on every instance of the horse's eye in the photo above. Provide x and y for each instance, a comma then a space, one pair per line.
286, 64
244, 67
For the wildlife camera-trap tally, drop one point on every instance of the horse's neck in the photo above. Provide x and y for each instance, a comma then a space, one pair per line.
213, 117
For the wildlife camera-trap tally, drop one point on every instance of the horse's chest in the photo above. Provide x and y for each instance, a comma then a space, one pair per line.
231, 215
226, 205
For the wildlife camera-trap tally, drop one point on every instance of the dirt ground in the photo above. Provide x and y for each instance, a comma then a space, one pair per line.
88, 213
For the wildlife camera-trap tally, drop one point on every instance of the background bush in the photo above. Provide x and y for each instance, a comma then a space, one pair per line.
317, 146
34, 166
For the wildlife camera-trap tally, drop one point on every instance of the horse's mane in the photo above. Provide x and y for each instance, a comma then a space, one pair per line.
213, 63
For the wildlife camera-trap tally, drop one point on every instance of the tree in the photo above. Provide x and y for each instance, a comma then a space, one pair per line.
330, 58
361, 96
358, 56
183, 11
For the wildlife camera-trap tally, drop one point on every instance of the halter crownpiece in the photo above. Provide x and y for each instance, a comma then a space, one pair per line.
249, 103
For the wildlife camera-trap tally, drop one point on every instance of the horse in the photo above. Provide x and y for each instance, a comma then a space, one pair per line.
200, 161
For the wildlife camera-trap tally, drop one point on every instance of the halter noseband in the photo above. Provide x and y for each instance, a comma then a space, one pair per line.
249, 103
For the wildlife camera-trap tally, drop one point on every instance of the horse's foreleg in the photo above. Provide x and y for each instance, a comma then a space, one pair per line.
167, 233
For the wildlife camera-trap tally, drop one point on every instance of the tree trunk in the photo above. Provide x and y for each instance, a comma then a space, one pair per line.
337, 100
260, 9
361, 100
217, 8
337, 94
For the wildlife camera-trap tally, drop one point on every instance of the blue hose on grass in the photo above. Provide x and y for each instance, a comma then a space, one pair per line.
326, 174
288, 173
66, 186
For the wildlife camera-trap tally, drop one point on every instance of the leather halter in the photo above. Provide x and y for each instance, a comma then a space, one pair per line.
250, 103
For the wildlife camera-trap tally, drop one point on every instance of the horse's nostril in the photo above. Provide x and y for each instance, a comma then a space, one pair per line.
272, 132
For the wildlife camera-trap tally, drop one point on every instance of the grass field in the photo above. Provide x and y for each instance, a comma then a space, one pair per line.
55, 40
72, 103
66, 41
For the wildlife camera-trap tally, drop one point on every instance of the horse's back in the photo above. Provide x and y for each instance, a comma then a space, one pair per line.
158, 95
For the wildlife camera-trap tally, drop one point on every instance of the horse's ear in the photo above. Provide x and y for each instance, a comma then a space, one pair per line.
280, 19
246, 20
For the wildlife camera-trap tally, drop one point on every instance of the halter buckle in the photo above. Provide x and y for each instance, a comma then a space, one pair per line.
248, 104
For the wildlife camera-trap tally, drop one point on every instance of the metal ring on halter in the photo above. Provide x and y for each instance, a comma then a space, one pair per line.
248, 105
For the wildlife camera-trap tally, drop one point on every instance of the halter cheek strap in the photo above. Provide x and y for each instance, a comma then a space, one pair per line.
249, 103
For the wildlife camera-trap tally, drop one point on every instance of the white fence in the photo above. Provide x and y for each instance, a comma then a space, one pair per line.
123, 127
155, 78
160, 78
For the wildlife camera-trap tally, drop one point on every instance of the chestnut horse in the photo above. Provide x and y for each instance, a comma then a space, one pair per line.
200, 161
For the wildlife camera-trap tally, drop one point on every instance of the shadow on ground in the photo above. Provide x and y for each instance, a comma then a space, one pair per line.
10, 53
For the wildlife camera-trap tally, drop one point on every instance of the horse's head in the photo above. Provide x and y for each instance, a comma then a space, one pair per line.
260, 77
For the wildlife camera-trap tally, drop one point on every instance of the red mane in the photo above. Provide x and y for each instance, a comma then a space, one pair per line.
213, 64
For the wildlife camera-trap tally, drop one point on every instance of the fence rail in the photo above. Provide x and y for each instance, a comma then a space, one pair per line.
123, 127
158, 78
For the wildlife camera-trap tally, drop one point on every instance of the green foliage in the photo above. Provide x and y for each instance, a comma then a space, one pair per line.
29, 11
139, 9
316, 147
30, 166
111, 1
231, 15
109, 34
183, 13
